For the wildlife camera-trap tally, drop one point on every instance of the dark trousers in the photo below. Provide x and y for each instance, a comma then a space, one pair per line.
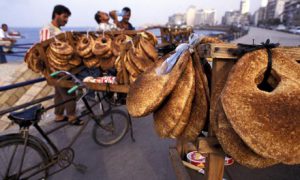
62, 95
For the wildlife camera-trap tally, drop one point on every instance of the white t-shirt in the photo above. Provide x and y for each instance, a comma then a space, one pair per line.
106, 27
3, 34
49, 31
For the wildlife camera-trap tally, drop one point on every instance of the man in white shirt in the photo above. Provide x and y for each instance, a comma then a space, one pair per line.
60, 18
5, 40
102, 20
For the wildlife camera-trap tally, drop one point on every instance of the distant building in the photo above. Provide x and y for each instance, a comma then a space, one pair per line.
245, 19
259, 16
190, 16
231, 17
264, 3
205, 17
275, 9
291, 14
244, 6
235, 18
177, 19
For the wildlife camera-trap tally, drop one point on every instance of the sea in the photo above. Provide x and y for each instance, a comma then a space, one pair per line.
30, 36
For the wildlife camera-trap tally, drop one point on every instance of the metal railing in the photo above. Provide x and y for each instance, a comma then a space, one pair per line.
22, 49
21, 84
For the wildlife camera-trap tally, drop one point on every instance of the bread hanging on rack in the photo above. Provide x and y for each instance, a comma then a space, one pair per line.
134, 58
149, 49
171, 118
61, 55
34, 60
118, 66
150, 89
141, 61
102, 45
61, 49
233, 145
118, 42
56, 63
208, 40
75, 61
107, 63
130, 66
200, 104
267, 120
84, 46
91, 62
150, 37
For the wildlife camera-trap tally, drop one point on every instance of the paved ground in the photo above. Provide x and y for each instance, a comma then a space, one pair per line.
261, 35
145, 159
6, 70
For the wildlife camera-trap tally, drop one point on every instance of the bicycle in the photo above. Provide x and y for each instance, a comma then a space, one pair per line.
25, 156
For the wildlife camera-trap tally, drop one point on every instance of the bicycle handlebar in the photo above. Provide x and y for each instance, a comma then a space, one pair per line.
78, 82
55, 73
74, 88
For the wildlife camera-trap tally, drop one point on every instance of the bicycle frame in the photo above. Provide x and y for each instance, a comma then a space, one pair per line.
53, 158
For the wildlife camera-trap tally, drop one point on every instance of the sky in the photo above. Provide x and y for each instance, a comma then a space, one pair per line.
36, 13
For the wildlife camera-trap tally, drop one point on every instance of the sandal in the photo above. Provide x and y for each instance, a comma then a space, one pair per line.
65, 119
76, 122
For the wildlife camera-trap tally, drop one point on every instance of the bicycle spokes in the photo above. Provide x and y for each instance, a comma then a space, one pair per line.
10, 161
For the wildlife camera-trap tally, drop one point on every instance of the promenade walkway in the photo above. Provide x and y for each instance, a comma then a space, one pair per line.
261, 35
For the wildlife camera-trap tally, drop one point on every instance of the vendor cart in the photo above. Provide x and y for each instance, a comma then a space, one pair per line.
223, 59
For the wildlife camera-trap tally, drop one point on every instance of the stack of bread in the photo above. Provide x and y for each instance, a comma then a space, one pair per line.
84, 49
34, 60
137, 55
130, 55
60, 56
257, 127
260, 127
179, 99
102, 49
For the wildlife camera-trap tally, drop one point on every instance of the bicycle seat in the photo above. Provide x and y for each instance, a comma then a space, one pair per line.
27, 117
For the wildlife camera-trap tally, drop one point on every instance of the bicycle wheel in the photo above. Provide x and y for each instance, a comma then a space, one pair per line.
111, 128
11, 153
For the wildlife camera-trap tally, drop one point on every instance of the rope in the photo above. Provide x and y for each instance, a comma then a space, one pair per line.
244, 48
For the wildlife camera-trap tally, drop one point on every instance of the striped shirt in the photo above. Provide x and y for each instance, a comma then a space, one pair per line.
49, 31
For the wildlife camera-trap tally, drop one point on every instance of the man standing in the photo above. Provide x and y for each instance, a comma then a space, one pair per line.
124, 23
60, 18
7, 42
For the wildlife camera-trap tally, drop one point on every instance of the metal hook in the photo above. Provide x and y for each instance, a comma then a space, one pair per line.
65, 35
87, 33
56, 40
103, 32
131, 41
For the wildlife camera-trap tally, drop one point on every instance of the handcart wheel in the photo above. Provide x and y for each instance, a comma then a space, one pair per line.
111, 127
